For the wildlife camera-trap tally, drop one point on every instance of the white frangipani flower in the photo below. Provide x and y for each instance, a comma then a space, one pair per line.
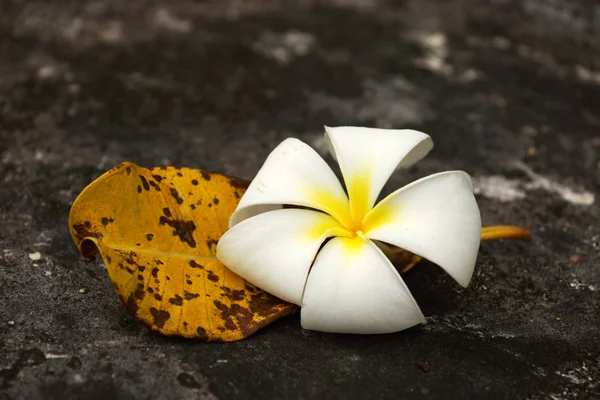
351, 286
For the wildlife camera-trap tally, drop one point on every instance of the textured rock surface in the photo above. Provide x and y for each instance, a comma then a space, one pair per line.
506, 88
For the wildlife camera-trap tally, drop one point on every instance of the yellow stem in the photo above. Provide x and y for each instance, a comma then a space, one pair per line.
505, 232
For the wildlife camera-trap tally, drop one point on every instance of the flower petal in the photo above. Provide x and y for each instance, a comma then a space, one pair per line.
275, 250
435, 217
293, 174
353, 288
368, 156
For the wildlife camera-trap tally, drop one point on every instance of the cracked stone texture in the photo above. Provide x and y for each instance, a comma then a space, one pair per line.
508, 90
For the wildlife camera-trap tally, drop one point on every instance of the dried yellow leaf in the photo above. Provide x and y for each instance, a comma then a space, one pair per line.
157, 231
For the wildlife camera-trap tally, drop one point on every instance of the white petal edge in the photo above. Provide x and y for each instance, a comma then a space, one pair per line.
437, 218
353, 288
275, 250
368, 156
293, 174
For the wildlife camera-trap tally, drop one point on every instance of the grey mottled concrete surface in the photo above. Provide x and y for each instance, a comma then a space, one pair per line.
509, 90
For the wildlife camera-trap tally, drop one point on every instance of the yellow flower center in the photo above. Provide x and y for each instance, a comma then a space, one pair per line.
352, 214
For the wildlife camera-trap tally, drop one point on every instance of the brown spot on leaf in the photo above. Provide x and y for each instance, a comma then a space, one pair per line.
263, 304
176, 196
176, 300
149, 237
160, 317
195, 182
128, 170
212, 276
105, 221
141, 268
183, 229
158, 262
212, 244
242, 315
139, 189
167, 212
139, 292
216, 200
189, 282
155, 186
140, 277
206, 175
144, 183
225, 315
194, 264
201, 333
108, 259
158, 297
157, 177
155, 272
150, 290
179, 174
237, 295
190, 296
129, 270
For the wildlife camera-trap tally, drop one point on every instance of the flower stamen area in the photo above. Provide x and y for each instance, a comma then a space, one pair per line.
357, 233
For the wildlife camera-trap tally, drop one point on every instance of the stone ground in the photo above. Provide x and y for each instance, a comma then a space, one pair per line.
507, 89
